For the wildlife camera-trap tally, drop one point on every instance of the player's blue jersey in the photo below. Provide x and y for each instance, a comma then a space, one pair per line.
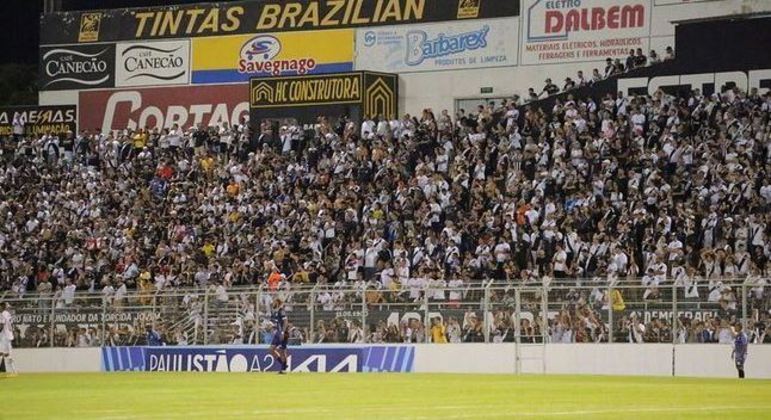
277, 317
740, 347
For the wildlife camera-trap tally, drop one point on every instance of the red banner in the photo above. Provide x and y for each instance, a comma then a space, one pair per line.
163, 107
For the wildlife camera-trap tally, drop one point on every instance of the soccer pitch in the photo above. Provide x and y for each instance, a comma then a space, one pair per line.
388, 396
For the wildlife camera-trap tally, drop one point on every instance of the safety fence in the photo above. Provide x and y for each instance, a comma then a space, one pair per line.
477, 312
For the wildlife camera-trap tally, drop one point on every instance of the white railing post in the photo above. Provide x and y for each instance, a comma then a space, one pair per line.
610, 313
205, 317
517, 332
745, 312
675, 318
426, 321
312, 301
104, 319
52, 327
485, 310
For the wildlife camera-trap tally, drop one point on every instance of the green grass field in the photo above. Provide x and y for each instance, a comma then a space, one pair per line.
388, 396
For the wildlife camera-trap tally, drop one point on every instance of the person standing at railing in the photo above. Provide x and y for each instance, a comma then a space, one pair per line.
739, 353
6, 337
153, 337
438, 331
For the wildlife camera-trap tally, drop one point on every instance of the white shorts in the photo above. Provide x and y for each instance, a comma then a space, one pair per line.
5, 345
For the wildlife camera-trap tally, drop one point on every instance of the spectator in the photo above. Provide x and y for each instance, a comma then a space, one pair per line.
631, 60
669, 54
640, 60
596, 76
153, 337
549, 88
569, 84
654, 57
610, 68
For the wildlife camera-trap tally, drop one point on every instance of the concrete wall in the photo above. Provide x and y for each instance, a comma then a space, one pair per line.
58, 360
465, 358
691, 360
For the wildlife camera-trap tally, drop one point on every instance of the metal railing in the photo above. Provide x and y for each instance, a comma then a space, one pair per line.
575, 311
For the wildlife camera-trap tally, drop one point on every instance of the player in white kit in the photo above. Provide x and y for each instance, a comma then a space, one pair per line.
6, 336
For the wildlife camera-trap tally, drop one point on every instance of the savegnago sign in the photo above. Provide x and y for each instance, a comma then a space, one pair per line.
558, 31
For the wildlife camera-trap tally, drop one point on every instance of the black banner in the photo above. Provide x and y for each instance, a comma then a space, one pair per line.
707, 59
257, 16
39, 120
303, 98
77, 67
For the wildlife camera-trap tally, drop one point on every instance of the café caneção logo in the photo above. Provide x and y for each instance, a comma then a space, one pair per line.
77, 68
157, 63
259, 56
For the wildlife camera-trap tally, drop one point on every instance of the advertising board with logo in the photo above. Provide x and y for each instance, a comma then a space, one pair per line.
355, 94
39, 120
258, 16
240, 58
77, 67
563, 31
163, 107
258, 359
152, 63
457, 45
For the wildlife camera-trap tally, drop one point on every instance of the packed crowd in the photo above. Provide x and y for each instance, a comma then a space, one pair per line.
664, 189
636, 59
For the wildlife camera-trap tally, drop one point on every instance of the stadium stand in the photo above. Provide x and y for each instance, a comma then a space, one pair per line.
662, 198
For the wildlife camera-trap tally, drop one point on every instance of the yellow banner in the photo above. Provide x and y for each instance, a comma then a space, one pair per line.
239, 58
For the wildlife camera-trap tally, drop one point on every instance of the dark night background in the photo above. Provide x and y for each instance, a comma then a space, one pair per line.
19, 22
19, 40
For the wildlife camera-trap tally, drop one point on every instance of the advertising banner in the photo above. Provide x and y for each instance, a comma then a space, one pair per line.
258, 16
210, 105
456, 45
678, 2
84, 317
77, 67
563, 31
239, 58
152, 63
306, 91
258, 359
355, 94
39, 120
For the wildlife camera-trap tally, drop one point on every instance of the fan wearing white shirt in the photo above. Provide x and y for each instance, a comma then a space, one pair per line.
6, 337
560, 262
456, 293
68, 294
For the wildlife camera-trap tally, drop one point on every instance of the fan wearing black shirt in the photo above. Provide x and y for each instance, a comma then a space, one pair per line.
200, 138
550, 88
631, 61
640, 60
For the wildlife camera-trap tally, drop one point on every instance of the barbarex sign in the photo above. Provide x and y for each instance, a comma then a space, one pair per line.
152, 63
77, 67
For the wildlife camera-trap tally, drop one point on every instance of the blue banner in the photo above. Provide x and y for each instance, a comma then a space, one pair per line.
258, 359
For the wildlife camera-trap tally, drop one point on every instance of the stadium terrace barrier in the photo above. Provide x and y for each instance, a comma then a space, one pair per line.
685, 360
476, 312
